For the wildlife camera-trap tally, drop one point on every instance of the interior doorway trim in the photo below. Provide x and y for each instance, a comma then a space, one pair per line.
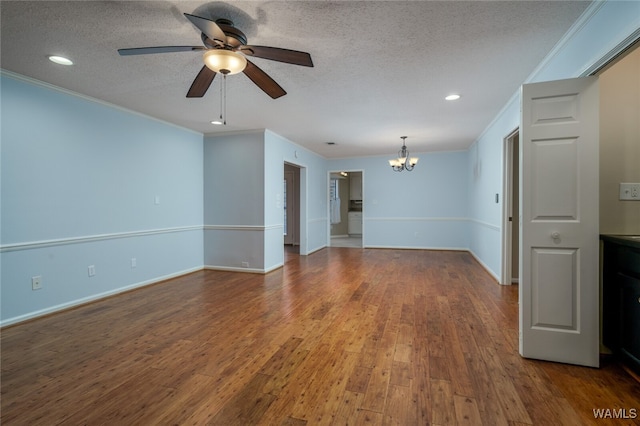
347, 170
301, 192
507, 203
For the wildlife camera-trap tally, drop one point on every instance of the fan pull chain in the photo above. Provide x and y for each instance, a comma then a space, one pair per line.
225, 99
221, 90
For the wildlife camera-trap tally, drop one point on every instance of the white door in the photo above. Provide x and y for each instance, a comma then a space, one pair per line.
559, 294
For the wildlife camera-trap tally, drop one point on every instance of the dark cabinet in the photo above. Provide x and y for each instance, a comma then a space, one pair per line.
630, 318
621, 298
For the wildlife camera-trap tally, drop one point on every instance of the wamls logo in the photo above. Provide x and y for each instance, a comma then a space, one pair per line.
621, 413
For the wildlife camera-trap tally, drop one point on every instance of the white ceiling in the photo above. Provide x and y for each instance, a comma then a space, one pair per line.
381, 68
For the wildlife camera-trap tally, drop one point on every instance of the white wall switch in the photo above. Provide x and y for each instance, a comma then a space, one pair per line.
134, 262
91, 270
630, 191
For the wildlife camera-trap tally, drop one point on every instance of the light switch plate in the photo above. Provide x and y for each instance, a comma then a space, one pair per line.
630, 191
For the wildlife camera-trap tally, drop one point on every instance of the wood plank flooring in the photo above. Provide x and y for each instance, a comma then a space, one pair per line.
343, 336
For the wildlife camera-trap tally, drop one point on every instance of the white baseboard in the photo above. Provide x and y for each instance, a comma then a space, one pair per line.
484, 266
245, 270
417, 248
315, 250
92, 298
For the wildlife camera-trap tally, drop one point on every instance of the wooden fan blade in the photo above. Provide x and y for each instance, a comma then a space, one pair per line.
159, 49
263, 81
201, 84
277, 54
208, 27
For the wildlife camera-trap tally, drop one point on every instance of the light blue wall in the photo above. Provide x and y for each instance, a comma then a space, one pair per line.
424, 208
233, 201
485, 165
313, 191
603, 27
79, 187
274, 199
606, 25
243, 200
79, 182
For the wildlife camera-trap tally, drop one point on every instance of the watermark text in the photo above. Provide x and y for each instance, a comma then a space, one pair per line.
615, 413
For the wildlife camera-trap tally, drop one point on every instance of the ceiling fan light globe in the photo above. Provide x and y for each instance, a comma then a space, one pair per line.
224, 61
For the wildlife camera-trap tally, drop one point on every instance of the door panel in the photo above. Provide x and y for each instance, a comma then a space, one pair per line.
559, 293
553, 288
554, 180
554, 109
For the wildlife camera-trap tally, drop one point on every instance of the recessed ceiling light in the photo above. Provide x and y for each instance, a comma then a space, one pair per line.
60, 60
452, 97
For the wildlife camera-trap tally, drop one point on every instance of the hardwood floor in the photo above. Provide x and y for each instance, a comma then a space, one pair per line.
342, 336
353, 241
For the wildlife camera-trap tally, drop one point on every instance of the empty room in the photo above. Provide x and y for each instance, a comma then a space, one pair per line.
320, 212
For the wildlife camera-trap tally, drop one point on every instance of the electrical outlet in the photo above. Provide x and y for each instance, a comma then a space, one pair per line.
134, 262
91, 270
630, 191
36, 283
245, 264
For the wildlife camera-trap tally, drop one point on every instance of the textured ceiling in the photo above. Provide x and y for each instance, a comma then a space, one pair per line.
382, 69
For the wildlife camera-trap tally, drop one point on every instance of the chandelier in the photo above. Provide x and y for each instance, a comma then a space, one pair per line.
403, 162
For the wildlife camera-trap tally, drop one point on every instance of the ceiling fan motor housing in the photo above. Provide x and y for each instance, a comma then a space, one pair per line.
235, 37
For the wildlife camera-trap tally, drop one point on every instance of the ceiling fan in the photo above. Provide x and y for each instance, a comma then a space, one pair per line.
225, 48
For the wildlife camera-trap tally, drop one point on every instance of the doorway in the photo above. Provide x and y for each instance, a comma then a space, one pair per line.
291, 205
511, 210
346, 208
